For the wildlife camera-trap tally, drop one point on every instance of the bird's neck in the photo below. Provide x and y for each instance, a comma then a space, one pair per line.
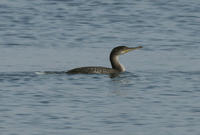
114, 59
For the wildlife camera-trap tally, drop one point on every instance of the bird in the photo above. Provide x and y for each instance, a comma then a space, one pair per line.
114, 60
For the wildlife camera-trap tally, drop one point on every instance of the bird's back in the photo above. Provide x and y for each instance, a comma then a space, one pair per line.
92, 70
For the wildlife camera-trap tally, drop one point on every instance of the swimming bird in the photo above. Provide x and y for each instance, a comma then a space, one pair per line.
114, 59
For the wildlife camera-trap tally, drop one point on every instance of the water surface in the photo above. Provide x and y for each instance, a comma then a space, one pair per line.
159, 93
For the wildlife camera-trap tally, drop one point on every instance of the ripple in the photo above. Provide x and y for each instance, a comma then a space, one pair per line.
161, 91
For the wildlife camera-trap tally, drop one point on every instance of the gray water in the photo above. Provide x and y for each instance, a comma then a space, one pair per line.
157, 95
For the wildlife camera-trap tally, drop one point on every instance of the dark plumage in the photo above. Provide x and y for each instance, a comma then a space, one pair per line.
116, 66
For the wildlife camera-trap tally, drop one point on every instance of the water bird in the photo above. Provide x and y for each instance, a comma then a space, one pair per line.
114, 59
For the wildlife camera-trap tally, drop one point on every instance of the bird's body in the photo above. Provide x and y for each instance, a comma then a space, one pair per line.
94, 70
114, 59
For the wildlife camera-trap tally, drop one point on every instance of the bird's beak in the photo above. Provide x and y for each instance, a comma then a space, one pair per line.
132, 48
